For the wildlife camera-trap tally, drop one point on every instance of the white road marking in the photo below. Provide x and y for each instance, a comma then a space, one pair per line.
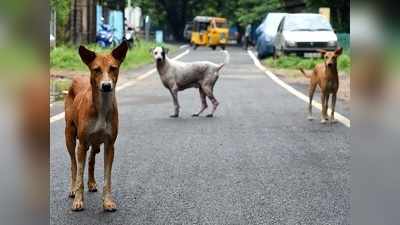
227, 55
57, 117
344, 120
183, 46
61, 115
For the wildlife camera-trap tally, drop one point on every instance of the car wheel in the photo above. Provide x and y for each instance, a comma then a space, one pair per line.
195, 46
223, 47
213, 47
277, 53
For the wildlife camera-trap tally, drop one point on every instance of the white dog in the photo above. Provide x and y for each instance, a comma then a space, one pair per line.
177, 76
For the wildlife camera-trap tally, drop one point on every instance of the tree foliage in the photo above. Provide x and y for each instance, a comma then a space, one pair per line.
340, 12
63, 9
172, 15
177, 12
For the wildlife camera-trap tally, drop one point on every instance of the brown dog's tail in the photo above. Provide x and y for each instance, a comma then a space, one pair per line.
304, 73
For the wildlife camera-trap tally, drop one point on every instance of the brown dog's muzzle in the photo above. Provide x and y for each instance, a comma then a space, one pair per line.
106, 86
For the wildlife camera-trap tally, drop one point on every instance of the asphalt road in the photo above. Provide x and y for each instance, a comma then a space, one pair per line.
258, 161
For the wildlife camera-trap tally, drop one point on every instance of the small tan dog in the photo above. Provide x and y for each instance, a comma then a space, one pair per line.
325, 75
91, 116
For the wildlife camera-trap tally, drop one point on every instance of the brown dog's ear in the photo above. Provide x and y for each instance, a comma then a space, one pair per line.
338, 51
119, 53
87, 56
322, 51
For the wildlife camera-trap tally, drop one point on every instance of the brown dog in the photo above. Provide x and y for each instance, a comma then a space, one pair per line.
325, 75
91, 116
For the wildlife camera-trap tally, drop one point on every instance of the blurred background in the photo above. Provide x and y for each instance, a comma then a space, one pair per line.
30, 30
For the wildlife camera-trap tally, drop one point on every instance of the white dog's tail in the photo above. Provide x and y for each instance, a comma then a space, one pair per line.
226, 60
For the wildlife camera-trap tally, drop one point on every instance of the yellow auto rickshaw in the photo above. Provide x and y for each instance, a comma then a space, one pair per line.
209, 31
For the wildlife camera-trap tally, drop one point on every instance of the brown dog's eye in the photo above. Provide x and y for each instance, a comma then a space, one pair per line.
97, 70
113, 68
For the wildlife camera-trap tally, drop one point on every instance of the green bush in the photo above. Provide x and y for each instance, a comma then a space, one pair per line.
295, 62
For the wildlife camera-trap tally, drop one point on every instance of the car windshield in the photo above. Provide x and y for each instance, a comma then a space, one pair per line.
271, 23
200, 26
312, 22
221, 24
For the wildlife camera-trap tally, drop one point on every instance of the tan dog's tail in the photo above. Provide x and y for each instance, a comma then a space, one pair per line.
304, 73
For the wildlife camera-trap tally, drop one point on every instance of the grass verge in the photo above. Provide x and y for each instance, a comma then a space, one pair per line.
295, 62
66, 57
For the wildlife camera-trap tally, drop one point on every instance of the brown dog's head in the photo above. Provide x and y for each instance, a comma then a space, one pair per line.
104, 68
330, 58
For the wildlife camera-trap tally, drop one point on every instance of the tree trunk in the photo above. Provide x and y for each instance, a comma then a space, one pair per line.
176, 24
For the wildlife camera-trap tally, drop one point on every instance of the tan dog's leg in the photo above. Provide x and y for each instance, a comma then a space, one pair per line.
108, 201
92, 186
333, 108
70, 138
324, 98
77, 205
313, 86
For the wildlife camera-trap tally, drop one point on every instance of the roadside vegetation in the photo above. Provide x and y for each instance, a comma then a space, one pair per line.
295, 62
66, 57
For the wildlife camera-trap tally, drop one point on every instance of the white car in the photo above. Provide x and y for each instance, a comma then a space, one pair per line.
304, 33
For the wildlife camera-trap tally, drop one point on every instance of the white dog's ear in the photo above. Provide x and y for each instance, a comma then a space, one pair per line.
166, 50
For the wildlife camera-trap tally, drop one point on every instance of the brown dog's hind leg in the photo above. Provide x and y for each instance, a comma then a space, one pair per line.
92, 186
77, 205
203, 102
108, 201
70, 139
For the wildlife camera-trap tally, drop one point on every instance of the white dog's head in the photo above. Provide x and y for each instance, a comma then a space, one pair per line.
159, 54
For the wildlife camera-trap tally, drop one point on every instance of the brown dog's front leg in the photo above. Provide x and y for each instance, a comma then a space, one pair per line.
77, 204
108, 201
70, 138
92, 186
